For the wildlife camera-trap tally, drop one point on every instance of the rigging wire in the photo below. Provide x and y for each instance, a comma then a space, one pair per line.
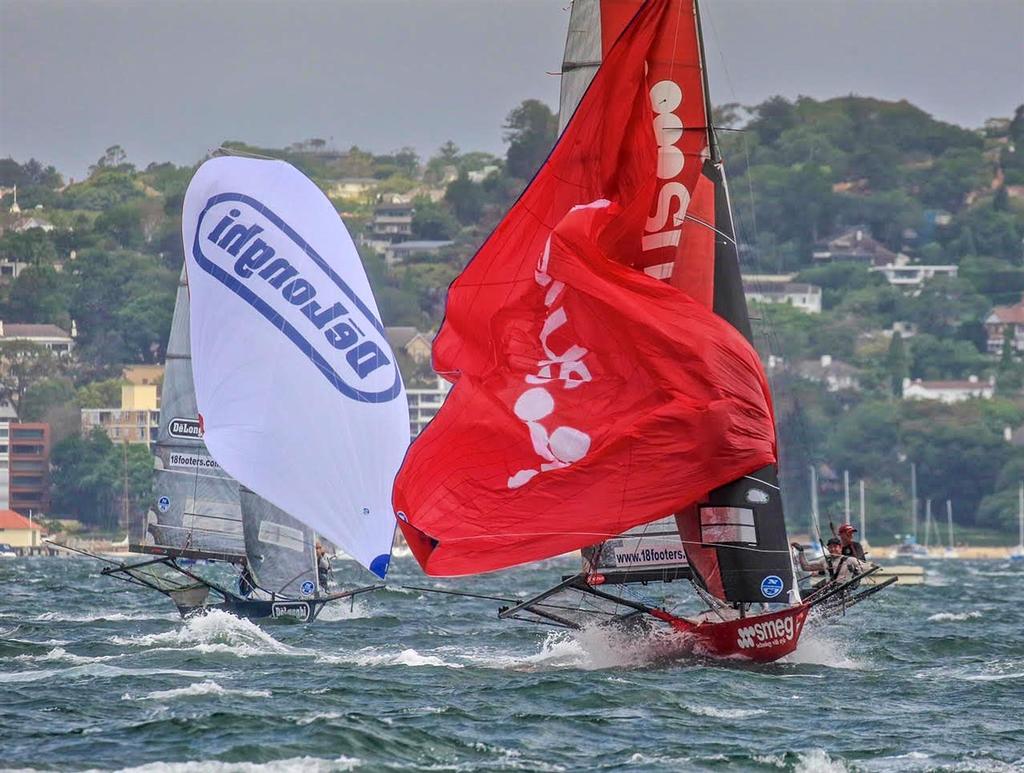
767, 329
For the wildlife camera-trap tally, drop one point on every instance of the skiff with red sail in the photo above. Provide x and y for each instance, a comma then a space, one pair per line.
607, 396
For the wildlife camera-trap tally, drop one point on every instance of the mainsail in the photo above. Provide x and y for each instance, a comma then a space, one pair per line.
591, 397
280, 549
299, 390
195, 512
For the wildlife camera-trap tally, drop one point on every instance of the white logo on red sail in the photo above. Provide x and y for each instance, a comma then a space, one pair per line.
535, 407
666, 97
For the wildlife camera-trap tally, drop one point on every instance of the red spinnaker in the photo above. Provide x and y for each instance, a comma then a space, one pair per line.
589, 397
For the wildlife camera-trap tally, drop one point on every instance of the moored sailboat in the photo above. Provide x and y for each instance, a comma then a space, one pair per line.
606, 391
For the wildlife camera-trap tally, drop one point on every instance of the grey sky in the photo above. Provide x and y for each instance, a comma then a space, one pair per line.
170, 79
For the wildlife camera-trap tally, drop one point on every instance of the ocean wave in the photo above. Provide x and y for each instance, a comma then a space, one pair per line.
91, 670
344, 610
290, 765
370, 656
64, 617
62, 655
213, 632
596, 648
820, 648
953, 617
717, 713
818, 761
197, 689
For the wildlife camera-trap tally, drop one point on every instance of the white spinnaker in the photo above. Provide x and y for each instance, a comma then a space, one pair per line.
298, 389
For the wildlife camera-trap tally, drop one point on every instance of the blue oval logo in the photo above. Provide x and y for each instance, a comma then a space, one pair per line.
246, 247
771, 586
307, 588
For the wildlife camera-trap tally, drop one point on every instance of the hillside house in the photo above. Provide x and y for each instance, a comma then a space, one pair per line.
401, 252
411, 341
136, 420
779, 288
855, 245
904, 274
836, 375
392, 222
949, 391
48, 336
1005, 321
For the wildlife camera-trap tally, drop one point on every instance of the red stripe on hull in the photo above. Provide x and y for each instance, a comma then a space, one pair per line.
761, 638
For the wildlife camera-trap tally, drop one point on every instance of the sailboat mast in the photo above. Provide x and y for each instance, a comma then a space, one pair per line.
913, 499
927, 521
815, 523
949, 522
846, 496
1020, 513
863, 515
714, 151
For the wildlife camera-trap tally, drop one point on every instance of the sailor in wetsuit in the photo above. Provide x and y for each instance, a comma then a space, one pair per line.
834, 565
323, 566
850, 547
246, 582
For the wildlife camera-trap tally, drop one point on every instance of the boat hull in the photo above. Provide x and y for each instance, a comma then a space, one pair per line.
256, 609
760, 638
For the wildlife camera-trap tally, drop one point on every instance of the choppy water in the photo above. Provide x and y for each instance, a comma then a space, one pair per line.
97, 674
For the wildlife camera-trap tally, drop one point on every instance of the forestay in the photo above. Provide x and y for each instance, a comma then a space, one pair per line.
195, 509
300, 393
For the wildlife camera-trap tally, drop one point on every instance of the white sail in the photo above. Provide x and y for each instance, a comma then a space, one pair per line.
195, 510
299, 391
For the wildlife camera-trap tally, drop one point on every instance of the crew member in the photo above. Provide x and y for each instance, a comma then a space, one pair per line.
323, 566
850, 547
834, 565
246, 582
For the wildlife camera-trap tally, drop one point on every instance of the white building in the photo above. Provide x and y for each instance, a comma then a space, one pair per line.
949, 391
835, 374
780, 288
424, 403
913, 275
7, 415
48, 336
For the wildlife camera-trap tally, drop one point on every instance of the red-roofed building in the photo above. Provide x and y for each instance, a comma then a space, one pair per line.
18, 531
1002, 320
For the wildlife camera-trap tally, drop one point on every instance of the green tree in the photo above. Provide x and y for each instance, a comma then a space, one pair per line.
896, 364
530, 131
433, 221
466, 199
1010, 376
100, 394
39, 295
23, 364
86, 477
43, 395
34, 246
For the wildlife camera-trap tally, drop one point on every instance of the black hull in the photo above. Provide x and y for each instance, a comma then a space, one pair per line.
304, 611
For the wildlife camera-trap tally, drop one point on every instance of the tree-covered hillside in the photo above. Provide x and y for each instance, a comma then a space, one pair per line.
800, 173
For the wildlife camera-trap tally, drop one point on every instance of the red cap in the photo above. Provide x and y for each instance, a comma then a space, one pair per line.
846, 528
